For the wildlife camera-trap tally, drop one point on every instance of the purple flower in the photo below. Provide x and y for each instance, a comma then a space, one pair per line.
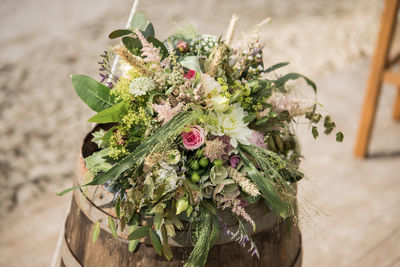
234, 160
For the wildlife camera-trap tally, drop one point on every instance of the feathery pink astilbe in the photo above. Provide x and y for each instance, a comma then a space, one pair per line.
234, 203
151, 53
166, 112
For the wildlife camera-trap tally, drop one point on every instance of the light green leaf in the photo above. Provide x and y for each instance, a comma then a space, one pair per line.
97, 162
112, 114
139, 20
191, 63
96, 232
140, 232
96, 95
187, 33
133, 243
111, 224
155, 240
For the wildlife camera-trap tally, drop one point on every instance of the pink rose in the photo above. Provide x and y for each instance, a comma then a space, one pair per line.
190, 74
182, 46
194, 138
257, 139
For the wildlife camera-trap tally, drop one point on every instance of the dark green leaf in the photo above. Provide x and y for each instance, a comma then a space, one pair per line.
111, 224
96, 232
339, 137
96, 95
118, 207
139, 233
209, 207
294, 76
112, 114
149, 31
314, 132
276, 66
139, 20
157, 43
119, 33
166, 247
132, 44
155, 240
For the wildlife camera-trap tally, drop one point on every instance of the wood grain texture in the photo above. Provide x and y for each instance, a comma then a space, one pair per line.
278, 247
396, 109
379, 61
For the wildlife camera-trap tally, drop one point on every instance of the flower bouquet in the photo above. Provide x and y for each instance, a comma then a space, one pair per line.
196, 126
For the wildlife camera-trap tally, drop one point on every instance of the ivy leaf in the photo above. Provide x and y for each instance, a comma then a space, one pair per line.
119, 33
112, 114
276, 66
314, 132
155, 240
157, 43
293, 76
96, 232
111, 224
139, 20
191, 63
339, 137
96, 95
139, 232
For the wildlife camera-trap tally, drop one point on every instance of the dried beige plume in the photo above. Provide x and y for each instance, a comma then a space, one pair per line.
221, 49
246, 185
135, 61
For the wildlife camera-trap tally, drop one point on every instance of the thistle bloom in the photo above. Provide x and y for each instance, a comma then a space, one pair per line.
194, 138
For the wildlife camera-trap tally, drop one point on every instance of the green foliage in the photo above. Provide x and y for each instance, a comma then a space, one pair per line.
191, 63
314, 131
96, 232
119, 33
133, 243
155, 240
132, 44
111, 114
328, 124
293, 76
157, 43
111, 224
96, 95
186, 33
140, 232
98, 161
140, 20
148, 31
339, 137
276, 66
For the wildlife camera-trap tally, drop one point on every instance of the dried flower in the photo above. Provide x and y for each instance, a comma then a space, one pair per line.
150, 53
166, 112
215, 149
244, 183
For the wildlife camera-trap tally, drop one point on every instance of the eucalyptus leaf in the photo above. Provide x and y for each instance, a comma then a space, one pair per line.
191, 63
96, 95
139, 20
119, 33
157, 43
112, 114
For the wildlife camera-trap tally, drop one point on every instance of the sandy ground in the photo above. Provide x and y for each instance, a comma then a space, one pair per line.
43, 121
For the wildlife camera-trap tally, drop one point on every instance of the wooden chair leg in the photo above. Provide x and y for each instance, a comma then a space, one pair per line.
388, 22
396, 109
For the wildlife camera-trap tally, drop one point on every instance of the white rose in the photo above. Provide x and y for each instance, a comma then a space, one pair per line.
220, 103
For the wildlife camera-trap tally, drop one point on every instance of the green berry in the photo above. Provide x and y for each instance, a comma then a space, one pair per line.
195, 165
199, 153
203, 162
217, 162
195, 177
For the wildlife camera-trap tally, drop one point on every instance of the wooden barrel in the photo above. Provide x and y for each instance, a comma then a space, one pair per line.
278, 241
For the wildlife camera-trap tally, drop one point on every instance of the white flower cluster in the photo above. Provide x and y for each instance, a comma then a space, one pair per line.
140, 86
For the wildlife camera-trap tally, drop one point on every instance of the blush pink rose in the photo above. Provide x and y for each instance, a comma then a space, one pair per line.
194, 138
190, 74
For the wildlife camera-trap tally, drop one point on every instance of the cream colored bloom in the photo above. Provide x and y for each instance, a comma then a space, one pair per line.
220, 103
232, 124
